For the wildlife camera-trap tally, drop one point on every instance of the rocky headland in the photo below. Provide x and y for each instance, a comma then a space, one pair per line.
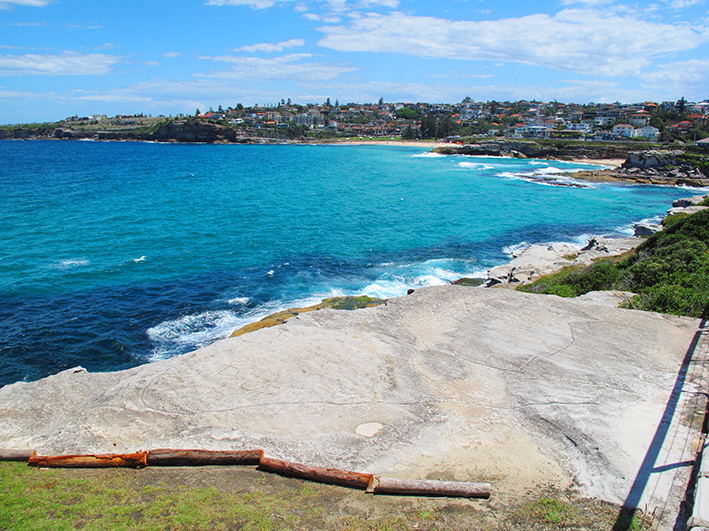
535, 261
663, 167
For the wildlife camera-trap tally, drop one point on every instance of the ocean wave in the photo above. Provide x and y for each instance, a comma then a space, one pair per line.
629, 229
70, 263
191, 332
547, 177
428, 154
476, 166
516, 248
239, 301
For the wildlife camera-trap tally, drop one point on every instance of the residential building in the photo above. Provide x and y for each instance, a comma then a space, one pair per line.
649, 132
625, 130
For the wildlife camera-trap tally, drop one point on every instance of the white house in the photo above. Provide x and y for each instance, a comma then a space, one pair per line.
649, 132
625, 130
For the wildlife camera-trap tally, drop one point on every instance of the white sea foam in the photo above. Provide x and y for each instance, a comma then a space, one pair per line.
476, 166
629, 230
513, 249
141, 259
239, 301
429, 155
395, 282
190, 332
72, 262
547, 177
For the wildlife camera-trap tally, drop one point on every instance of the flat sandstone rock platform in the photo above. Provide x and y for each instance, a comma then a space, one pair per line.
450, 383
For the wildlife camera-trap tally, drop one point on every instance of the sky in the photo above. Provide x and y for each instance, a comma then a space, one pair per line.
59, 58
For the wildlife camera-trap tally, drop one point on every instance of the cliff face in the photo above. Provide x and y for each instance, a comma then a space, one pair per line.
174, 131
192, 131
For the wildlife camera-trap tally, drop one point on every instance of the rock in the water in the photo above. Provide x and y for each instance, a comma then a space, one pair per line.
643, 230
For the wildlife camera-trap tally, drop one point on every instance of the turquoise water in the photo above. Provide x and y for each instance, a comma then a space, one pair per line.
114, 254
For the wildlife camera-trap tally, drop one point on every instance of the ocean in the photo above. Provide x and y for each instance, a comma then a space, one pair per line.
115, 254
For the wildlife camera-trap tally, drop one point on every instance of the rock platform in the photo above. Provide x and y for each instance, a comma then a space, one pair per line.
454, 383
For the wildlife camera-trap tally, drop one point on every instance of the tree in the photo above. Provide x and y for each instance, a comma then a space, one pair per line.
407, 114
197, 113
337, 102
408, 133
428, 126
681, 106
239, 107
221, 109
447, 127
327, 103
381, 102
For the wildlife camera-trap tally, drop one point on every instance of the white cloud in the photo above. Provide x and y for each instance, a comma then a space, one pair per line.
171, 54
272, 47
592, 2
256, 4
579, 40
7, 4
688, 78
66, 64
287, 67
681, 4
334, 5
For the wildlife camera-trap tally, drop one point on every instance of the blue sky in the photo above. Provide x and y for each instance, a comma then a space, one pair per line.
64, 57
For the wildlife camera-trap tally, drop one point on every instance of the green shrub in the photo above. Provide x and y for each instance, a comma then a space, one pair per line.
669, 273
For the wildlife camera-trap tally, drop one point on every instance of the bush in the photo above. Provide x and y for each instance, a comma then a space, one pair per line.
670, 272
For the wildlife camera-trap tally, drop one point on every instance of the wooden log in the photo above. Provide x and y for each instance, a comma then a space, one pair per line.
136, 460
330, 476
429, 488
15, 455
168, 457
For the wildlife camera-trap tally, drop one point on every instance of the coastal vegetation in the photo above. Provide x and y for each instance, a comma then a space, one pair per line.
669, 273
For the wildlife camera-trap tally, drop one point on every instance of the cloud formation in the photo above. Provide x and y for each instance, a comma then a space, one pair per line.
286, 67
271, 47
7, 4
334, 5
579, 40
66, 64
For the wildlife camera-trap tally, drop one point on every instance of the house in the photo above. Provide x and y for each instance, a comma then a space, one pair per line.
639, 119
603, 120
625, 130
683, 127
649, 132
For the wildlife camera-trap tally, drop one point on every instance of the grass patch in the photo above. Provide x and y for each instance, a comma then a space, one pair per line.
669, 271
333, 303
242, 498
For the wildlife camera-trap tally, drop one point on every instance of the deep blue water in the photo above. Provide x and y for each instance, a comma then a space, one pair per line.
115, 254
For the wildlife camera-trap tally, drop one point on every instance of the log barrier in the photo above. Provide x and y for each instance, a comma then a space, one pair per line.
332, 476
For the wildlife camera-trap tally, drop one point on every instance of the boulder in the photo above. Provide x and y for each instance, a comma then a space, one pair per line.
643, 230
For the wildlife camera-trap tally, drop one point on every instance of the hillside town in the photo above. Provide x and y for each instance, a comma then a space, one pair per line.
664, 122
523, 119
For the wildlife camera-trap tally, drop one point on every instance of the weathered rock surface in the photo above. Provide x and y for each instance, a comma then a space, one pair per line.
536, 261
447, 383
